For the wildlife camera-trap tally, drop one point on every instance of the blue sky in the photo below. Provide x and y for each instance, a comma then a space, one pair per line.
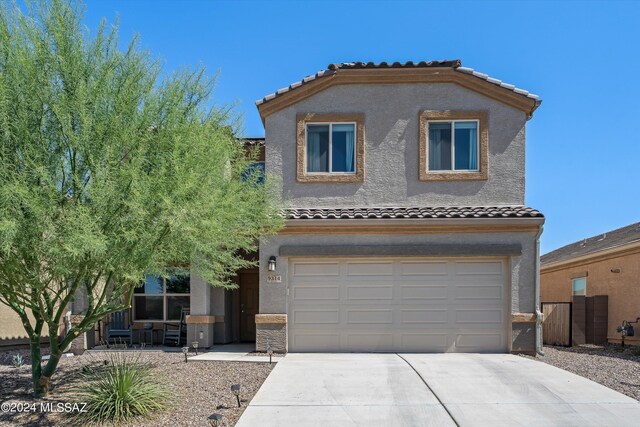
583, 145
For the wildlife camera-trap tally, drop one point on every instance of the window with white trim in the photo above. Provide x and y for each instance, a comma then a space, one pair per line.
331, 148
453, 145
162, 298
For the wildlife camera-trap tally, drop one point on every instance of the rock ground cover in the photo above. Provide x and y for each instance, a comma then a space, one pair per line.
610, 366
199, 388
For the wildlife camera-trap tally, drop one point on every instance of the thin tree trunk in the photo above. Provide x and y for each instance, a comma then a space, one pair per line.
36, 365
48, 370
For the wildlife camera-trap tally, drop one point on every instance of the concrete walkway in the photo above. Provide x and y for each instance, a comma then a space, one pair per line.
234, 353
343, 390
431, 389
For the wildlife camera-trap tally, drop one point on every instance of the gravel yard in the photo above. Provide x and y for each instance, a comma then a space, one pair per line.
609, 366
200, 388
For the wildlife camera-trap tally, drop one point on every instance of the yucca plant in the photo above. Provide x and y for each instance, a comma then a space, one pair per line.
18, 360
123, 388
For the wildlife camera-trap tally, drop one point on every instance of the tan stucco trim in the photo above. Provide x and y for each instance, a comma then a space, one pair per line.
204, 319
483, 153
580, 274
408, 229
272, 319
301, 147
523, 318
398, 75
628, 249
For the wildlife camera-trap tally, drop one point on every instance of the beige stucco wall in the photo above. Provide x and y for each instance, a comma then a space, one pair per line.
391, 120
622, 288
11, 330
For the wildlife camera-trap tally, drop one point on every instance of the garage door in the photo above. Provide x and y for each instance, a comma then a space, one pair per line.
391, 304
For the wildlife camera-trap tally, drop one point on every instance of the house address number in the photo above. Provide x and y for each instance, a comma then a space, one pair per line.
274, 279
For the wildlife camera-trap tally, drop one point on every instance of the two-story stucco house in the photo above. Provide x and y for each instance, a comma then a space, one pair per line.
406, 225
407, 229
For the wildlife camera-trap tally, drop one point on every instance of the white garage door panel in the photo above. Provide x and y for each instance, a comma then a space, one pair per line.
397, 305
317, 293
316, 269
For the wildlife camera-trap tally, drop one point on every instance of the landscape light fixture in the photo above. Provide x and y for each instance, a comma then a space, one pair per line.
272, 263
235, 389
269, 350
195, 345
215, 420
185, 350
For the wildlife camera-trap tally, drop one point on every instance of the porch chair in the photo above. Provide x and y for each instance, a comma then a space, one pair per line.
119, 328
176, 332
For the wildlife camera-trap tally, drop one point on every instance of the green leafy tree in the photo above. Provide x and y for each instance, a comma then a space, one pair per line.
107, 171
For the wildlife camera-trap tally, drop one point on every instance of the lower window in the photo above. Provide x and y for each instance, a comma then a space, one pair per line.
162, 298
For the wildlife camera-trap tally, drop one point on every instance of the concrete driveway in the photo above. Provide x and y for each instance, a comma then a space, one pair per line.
431, 389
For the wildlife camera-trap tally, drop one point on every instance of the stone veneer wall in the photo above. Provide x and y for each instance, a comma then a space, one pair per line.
271, 330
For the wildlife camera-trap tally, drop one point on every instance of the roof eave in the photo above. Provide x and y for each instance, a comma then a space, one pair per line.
609, 252
416, 221
495, 89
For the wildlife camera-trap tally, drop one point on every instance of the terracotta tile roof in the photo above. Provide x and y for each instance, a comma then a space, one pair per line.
413, 213
456, 64
601, 242
453, 63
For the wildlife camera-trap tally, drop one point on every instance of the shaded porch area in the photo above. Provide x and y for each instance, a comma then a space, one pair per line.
177, 311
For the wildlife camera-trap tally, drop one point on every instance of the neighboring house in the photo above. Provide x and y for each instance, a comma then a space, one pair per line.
608, 265
406, 227
12, 332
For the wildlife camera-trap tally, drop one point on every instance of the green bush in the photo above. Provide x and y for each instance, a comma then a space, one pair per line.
122, 388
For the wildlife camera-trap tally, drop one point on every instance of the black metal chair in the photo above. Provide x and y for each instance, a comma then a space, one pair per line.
119, 329
176, 332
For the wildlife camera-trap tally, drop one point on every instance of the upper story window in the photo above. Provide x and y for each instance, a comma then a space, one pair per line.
330, 147
256, 168
454, 145
579, 286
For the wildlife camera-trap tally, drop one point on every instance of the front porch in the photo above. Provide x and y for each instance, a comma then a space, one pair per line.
200, 312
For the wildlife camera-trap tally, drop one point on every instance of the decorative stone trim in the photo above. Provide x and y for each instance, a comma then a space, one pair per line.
580, 275
483, 152
271, 319
75, 319
301, 147
523, 318
204, 319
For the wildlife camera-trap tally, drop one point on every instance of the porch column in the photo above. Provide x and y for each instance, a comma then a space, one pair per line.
200, 322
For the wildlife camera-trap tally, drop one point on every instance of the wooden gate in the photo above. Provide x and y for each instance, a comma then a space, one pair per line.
556, 324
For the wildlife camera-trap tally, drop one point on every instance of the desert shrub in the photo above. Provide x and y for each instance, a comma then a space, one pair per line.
122, 388
17, 361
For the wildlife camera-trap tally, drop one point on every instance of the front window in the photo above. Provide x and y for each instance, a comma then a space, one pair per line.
453, 145
162, 298
331, 148
579, 286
